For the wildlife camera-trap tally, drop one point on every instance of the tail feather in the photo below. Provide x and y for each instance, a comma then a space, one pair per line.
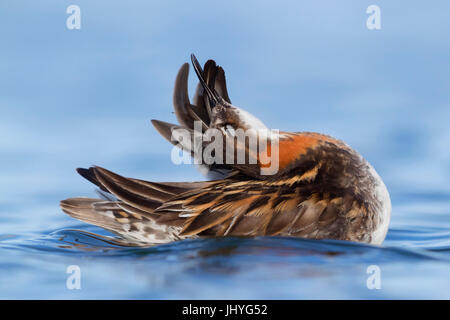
84, 209
165, 129
181, 101
118, 185
215, 78
212, 87
128, 205
89, 175
135, 226
210, 92
129, 196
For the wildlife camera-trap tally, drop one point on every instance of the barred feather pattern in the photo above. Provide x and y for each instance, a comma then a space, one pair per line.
323, 189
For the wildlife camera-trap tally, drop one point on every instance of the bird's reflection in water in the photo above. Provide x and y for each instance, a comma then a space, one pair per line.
89, 241
198, 248
228, 259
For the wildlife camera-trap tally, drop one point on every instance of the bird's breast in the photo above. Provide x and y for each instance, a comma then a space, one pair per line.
383, 212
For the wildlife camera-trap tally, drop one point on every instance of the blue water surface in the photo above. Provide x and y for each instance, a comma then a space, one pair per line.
73, 98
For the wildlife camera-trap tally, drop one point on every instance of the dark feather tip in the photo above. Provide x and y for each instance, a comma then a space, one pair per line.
212, 95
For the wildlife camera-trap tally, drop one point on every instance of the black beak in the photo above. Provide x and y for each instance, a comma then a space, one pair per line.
211, 92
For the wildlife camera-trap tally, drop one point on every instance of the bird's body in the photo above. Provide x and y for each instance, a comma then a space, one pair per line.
321, 188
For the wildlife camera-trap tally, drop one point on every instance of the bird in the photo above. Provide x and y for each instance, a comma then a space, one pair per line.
321, 188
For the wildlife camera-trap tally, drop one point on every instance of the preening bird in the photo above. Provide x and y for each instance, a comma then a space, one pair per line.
322, 188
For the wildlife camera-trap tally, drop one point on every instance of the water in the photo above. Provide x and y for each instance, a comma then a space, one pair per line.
414, 263
76, 98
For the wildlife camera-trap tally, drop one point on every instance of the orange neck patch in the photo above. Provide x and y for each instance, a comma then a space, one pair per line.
294, 145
